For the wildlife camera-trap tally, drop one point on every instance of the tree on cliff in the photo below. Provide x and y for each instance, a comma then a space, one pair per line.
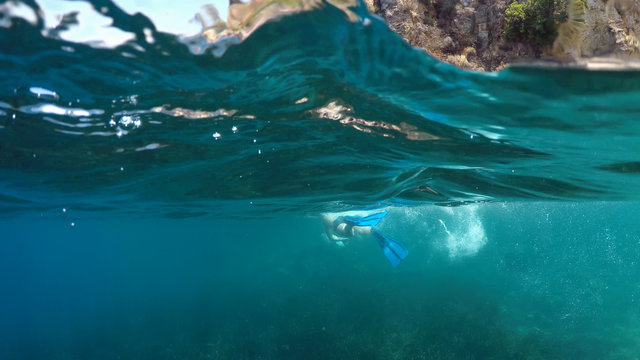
534, 21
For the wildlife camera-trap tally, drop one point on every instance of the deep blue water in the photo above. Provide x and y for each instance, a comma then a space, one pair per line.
160, 194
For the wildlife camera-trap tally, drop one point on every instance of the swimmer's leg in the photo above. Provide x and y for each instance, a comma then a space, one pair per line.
392, 250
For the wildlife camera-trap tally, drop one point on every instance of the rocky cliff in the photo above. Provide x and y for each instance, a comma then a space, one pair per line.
470, 33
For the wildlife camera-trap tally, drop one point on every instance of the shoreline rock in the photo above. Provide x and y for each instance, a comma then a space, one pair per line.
470, 33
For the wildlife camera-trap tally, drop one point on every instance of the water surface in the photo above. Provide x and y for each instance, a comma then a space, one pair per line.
160, 191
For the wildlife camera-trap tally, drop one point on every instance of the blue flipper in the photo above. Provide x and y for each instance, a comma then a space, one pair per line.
371, 220
392, 250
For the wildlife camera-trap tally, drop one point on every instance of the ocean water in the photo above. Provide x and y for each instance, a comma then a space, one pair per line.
162, 183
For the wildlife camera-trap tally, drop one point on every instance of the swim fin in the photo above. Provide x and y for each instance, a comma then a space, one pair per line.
371, 220
392, 250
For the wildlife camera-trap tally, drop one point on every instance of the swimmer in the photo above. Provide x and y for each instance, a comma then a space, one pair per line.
343, 228
340, 230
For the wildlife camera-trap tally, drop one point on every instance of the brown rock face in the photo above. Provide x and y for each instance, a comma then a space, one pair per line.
611, 28
469, 33
466, 33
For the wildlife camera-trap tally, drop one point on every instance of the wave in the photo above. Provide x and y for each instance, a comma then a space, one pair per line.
324, 109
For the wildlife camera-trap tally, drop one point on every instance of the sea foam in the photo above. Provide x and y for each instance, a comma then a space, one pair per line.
465, 234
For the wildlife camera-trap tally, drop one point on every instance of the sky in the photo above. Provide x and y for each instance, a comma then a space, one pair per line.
168, 17
95, 29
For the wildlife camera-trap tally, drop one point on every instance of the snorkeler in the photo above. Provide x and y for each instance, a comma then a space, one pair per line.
342, 228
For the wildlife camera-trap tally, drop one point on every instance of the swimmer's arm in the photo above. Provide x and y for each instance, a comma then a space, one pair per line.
328, 227
327, 222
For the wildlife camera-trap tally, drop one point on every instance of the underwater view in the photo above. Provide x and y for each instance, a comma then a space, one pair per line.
298, 182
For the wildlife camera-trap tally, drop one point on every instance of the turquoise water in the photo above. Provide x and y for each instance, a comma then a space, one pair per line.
160, 196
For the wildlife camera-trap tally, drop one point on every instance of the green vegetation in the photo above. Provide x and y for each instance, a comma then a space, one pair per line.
534, 21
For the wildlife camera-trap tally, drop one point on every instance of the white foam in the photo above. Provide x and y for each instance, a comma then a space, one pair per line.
465, 235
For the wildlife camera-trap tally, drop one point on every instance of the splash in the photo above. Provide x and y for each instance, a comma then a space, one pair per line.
466, 236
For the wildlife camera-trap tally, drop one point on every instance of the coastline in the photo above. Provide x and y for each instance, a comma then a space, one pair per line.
470, 34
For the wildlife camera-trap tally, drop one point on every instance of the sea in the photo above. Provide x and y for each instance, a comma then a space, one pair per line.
164, 176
